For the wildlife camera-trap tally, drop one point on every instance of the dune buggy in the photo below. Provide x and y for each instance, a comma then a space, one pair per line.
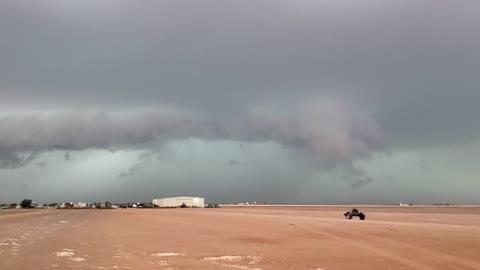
354, 213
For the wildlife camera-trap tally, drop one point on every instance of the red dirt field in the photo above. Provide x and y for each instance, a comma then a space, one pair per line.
248, 238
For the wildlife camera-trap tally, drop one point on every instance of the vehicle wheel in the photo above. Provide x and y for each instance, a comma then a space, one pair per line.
349, 216
362, 216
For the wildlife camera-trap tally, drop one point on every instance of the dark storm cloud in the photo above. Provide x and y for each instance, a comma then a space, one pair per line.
328, 131
12, 159
23, 136
336, 80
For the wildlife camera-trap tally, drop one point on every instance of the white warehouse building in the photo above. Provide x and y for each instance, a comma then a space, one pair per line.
179, 201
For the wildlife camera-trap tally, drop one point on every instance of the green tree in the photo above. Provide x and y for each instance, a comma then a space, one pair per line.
26, 203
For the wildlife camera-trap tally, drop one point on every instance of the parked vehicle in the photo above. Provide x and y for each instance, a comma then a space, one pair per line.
354, 213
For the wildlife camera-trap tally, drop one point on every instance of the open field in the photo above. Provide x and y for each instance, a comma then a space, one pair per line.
248, 238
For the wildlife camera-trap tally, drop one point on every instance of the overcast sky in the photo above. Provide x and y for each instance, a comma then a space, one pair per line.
271, 101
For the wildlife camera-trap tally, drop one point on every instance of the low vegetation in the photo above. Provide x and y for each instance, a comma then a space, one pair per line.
26, 203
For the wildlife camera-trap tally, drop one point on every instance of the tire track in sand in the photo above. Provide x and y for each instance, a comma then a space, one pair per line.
428, 252
408, 262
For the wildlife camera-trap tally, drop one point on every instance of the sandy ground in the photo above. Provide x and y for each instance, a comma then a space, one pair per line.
311, 238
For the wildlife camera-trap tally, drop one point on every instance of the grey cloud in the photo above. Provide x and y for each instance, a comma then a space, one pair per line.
25, 135
329, 130
233, 162
326, 130
143, 160
218, 57
131, 171
41, 164
361, 182
356, 176
332, 81
12, 159
408, 62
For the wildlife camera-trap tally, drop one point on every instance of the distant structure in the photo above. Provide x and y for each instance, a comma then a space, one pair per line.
405, 204
179, 202
80, 205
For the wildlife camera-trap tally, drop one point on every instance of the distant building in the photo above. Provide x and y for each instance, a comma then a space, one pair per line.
80, 205
35, 204
179, 201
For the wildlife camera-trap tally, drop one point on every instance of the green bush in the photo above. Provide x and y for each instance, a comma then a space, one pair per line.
26, 203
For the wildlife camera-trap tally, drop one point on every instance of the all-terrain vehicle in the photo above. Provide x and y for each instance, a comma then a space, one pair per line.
354, 213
